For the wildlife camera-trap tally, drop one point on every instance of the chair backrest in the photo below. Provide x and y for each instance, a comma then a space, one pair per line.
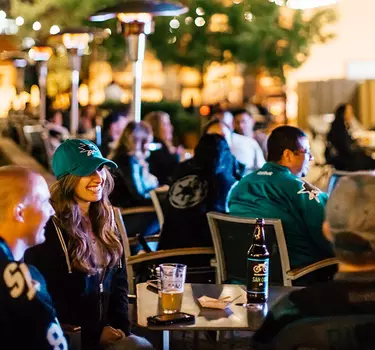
126, 246
352, 332
159, 196
38, 144
337, 175
232, 237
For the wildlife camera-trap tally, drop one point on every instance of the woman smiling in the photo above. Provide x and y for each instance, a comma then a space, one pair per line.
82, 258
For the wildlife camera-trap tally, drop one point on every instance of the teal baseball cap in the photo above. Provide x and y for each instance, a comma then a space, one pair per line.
78, 157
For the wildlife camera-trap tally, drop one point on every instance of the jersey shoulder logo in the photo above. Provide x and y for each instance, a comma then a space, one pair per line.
18, 279
311, 190
188, 192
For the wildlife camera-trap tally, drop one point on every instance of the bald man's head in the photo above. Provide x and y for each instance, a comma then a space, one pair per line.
24, 205
25, 208
16, 186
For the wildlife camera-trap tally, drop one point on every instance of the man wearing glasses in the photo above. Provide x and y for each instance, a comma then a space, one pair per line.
278, 191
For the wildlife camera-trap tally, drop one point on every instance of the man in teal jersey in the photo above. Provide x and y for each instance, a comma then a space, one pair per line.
278, 191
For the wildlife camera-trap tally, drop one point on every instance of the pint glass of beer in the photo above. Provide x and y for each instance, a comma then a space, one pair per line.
172, 278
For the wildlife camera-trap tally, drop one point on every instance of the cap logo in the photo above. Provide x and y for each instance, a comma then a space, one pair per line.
88, 149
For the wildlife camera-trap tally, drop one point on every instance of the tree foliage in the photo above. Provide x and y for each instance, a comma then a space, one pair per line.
254, 35
261, 42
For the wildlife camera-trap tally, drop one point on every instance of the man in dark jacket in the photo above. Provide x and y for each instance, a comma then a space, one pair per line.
27, 317
199, 185
350, 226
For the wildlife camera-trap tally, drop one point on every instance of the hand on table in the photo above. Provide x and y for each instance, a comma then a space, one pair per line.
110, 335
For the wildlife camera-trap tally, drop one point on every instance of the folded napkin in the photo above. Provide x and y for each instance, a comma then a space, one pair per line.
213, 303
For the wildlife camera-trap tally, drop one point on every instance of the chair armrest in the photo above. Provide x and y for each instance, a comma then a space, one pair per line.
163, 188
69, 328
213, 262
73, 336
136, 259
302, 271
153, 238
132, 298
137, 210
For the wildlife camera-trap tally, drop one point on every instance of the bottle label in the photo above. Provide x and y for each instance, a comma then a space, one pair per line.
258, 276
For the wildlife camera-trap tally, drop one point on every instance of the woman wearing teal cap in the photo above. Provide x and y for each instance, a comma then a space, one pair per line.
82, 258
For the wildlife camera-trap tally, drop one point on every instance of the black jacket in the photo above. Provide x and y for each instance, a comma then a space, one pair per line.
344, 153
131, 189
76, 295
27, 316
163, 163
199, 185
351, 293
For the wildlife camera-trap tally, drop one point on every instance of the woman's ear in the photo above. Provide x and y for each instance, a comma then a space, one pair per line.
287, 155
19, 212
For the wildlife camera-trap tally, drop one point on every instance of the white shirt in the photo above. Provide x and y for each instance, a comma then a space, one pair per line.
247, 151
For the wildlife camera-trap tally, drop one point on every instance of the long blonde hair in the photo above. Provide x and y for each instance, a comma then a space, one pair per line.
70, 218
134, 134
155, 120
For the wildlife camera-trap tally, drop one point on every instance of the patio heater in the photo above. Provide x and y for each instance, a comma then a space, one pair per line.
75, 41
41, 53
20, 60
136, 18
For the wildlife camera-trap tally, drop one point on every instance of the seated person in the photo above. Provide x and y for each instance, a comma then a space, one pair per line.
200, 185
27, 317
350, 226
163, 161
133, 181
244, 125
82, 258
277, 191
245, 149
57, 132
113, 127
342, 150
87, 122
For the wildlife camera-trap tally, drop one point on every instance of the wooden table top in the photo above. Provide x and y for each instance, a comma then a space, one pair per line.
234, 317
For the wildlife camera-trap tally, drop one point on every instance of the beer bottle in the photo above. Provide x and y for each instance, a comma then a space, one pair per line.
257, 266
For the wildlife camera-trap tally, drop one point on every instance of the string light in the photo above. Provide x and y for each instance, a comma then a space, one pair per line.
54, 29
249, 16
37, 26
200, 12
188, 20
174, 23
20, 21
200, 22
172, 40
28, 42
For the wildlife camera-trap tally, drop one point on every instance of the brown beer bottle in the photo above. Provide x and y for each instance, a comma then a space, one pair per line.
257, 266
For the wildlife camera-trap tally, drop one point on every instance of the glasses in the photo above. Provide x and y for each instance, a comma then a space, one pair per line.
305, 152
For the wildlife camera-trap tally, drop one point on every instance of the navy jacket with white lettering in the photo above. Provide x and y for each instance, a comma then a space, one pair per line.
274, 192
27, 317
78, 297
